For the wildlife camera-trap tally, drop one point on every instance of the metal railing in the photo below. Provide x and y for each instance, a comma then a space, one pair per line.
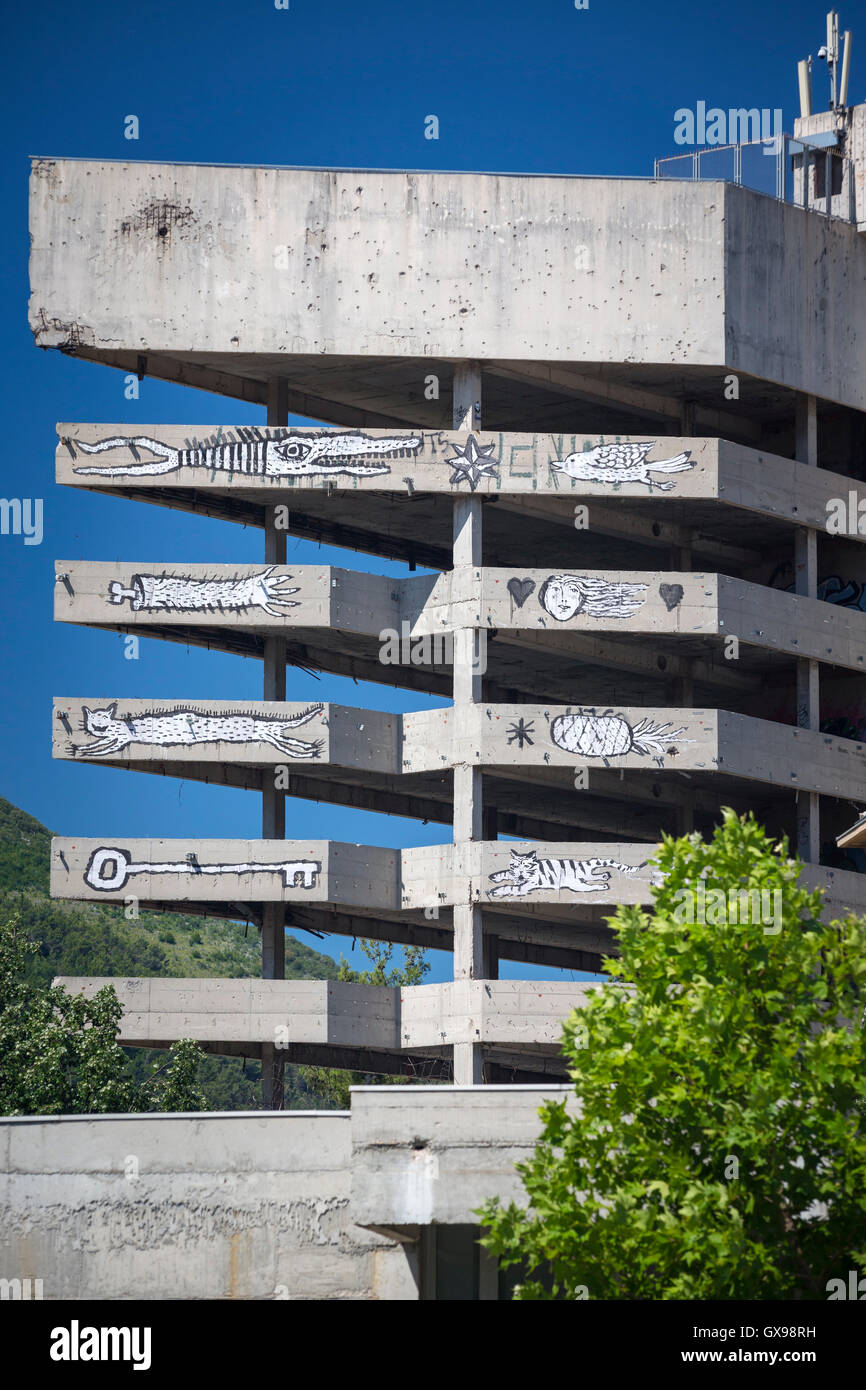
800, 172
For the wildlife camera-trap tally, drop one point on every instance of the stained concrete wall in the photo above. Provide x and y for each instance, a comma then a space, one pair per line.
183, 258
245, 1205
425, 1154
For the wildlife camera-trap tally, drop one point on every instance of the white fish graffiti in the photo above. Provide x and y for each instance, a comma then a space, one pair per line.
180, 593
109, 869
185, 727
527, 873
563, 596
291, 455
622, 463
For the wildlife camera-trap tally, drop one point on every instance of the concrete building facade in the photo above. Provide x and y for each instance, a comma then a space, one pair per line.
613, 421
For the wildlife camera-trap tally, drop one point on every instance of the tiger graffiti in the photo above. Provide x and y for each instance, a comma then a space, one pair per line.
109, 869
185, 727
526, 873
290, 455
180, 593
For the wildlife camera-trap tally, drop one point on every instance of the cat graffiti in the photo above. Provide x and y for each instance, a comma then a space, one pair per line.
526, 873
182, 726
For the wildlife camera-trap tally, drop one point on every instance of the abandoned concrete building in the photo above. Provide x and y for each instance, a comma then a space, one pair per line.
602, 423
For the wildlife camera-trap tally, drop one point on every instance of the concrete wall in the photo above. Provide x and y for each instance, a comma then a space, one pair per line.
183, 258
425, 1154
247, 1206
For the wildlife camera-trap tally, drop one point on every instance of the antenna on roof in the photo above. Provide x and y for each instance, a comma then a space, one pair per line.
846, 70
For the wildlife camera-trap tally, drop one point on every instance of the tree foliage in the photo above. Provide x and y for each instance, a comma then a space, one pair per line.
716, 1148
59, 1052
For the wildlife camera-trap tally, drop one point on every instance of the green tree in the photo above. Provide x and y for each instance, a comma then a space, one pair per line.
716, 1148
59, 1054
333, 1085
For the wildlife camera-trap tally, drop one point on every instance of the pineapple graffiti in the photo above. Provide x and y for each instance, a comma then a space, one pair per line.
290, 455
180, 593
609, 735
185, 727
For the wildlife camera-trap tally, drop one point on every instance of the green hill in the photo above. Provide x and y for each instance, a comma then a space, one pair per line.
96, 939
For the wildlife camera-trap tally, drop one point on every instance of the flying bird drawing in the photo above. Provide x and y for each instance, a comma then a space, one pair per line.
622, 463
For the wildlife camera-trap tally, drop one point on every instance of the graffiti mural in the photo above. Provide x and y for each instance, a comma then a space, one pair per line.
622, 463
471, 463
109, 869
610, 735
527, 873
180, 593
184, 727
563, 596
255, 454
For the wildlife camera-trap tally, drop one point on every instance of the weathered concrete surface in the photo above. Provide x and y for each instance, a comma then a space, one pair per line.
516, 1013
747, 479
425, 1154
247, 1205
343, 605
558, 878
185, 259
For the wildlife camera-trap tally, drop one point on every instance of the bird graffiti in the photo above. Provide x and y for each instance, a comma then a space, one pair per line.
622, 463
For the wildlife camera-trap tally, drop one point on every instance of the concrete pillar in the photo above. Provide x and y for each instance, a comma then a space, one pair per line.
468, 935
806, 582
273, 800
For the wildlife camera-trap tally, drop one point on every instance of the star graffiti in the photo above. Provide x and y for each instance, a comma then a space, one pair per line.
471, 464
521, 732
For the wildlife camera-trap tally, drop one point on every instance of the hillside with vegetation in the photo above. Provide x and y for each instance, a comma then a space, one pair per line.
96, 939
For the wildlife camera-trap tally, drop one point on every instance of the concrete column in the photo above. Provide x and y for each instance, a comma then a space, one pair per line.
274, 801
468, 935
806, 582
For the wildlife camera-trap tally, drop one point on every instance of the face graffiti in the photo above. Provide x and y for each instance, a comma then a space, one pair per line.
564, 596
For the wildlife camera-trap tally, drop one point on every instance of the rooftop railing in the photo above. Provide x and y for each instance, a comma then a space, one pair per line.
804, 173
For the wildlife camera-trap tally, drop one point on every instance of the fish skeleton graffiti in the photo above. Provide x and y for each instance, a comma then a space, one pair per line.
622, 463
180, 593
184, 727
256, 455
610, 735
563, 596
109, 869
528, 874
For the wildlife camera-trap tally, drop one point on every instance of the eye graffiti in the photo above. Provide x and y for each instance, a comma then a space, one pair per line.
109, 869
622, 463
610, 735
563, 596
180, 593
185, 727
471, 463
526, 873
254, 454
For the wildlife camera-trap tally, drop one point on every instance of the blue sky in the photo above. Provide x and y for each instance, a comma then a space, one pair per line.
539, 87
